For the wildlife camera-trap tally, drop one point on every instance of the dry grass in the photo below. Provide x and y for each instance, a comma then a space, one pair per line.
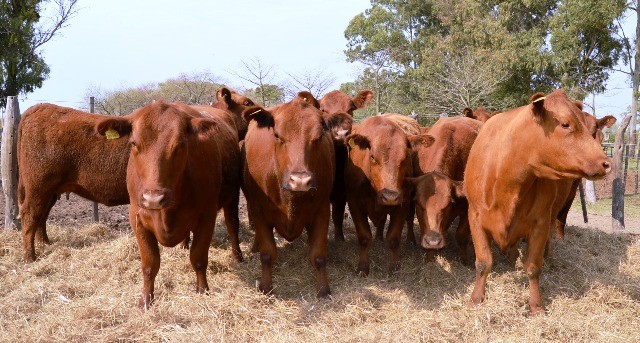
85, 287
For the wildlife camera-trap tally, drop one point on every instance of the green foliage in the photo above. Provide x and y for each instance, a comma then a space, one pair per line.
267, 94
441, 56
22, 69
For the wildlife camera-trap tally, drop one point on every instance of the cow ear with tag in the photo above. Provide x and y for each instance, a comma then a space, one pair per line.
223, 95
113, 128
261, 116
537, 103
309, 98
357, 140
606, 121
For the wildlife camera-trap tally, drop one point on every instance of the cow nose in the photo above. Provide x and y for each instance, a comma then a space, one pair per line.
432, 240
607, 166
390, 197
153, 200
300, 181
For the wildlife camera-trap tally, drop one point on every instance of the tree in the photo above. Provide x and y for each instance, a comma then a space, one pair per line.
23, 30
316, 82
272, 94
194, 89
258, 74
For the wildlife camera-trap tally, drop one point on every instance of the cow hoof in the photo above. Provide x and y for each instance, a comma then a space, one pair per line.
363, 270
324, 292
536, 311
29, 257
145, 302
266, 289
202, 290
237, 257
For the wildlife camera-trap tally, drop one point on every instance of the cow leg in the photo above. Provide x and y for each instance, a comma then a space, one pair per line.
337, 213
411, 213
318, 251
533, 266
484, 260
463, 236
41, 232
267, 245
232, 222
394, 235
363, 231
199, 253
34, 217
150, 258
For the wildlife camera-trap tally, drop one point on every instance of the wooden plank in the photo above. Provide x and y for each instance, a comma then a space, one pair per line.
9, 163
95, 204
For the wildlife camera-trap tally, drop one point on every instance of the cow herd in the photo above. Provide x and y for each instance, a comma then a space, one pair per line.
507, 177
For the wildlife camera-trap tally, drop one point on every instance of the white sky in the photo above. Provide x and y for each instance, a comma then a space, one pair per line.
118, 43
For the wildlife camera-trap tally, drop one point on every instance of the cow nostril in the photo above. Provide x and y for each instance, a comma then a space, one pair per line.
606, 164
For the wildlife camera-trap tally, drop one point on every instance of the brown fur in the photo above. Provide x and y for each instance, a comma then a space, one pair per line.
519, 165
334, 104
437, 197
379, 160
288, 174
75, 160
182, 168
480, 114
409, 126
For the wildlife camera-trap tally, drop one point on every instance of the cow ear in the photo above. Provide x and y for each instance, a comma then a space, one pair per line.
263, 117
606, 121
360, 141
537, 102
458, 190
579, 104
308, 98
224, 95
113, 127
200, 126
363, 98
421, 140
468, 113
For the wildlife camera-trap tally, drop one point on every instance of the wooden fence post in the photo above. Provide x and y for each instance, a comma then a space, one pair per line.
617, 193
95, 204
9, 163
583, 203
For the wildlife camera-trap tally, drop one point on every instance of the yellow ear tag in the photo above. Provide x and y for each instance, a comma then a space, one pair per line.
112, 134
539, 99
352, 143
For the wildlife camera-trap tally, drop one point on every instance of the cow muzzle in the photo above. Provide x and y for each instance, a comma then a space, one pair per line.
432, 240
600, 170
299, 181
154, 200
389, 197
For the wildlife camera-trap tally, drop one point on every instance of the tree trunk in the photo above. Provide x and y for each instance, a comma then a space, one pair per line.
617, 206
9, 162
590, 191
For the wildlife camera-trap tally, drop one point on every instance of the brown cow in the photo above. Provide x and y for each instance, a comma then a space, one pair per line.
595, 127
182, 168
438, 197
519, 162
288, 174
332, 103
480, 114
58, 153
379, 160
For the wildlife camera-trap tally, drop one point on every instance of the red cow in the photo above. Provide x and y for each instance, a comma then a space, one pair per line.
480, 114
182, 168
519, 162
438, 197
288, 173
379, 160
336, 102
595, 127
59, 153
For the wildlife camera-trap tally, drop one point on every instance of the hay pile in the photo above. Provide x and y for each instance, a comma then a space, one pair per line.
86, 285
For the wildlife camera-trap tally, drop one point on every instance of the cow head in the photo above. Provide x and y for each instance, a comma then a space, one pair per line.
435, 197
159, 135
235, 103
338, 124
480, 114
383, 152
337, 101
565, 147
294, 130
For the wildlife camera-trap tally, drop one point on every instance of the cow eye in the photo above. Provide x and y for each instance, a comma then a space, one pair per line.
248, 103
566, 126
373, 159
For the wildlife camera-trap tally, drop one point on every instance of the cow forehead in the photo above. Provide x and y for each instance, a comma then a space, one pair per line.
164, 124
294, 119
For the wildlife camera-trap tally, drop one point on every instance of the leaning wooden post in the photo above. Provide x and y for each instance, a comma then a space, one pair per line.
9, 162
617, 193
583, 202
95, 204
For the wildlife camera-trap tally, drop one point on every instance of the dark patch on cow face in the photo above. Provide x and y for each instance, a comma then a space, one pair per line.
339, 125
258, 114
